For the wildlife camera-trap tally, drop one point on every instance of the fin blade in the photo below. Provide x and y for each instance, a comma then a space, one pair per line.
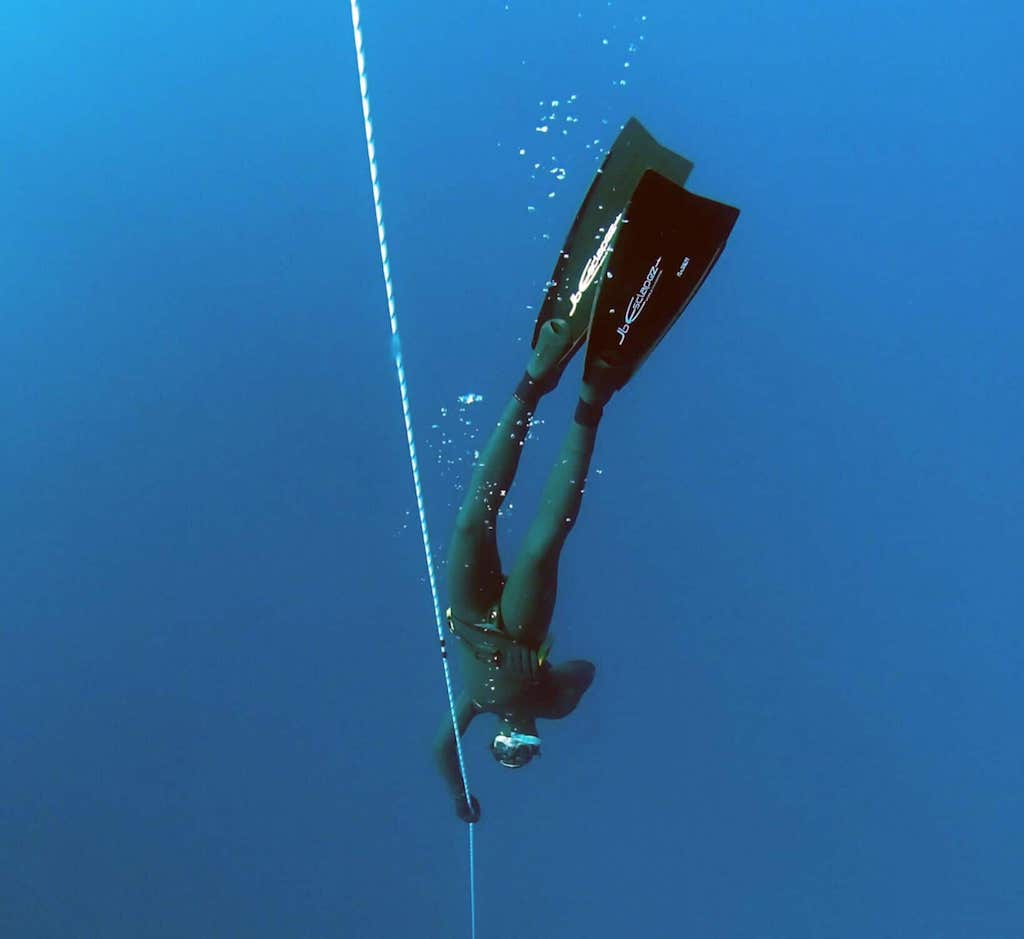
665, 249
570, 294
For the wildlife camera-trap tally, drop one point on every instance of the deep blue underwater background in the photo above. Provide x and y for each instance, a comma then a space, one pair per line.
798, 565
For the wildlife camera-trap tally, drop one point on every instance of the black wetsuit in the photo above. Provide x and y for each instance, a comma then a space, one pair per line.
502, 624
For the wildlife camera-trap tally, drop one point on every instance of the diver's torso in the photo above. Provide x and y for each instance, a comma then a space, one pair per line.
546, 691
496, 688
488, 656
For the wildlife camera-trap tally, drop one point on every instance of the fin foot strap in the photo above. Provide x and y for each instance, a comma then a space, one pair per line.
587, 414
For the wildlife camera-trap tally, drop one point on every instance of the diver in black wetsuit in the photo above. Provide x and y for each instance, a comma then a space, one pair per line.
503, 623
639, 249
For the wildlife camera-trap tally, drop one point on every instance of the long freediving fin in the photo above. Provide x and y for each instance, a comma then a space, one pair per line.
663, 249
574, 284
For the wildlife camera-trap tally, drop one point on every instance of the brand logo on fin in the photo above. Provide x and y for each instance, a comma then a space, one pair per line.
639, 301
594, 264
683, 267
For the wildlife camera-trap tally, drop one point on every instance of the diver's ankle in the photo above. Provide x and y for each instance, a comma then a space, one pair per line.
529, 391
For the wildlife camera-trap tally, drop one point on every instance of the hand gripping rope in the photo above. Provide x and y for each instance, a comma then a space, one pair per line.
396, 352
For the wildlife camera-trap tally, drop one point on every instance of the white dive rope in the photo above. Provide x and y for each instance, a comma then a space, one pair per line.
396, 352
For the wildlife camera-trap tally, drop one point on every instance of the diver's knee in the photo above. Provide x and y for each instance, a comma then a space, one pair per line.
472, 520
544, 544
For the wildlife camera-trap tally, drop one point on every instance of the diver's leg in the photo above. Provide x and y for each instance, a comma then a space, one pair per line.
474, 566
528, 601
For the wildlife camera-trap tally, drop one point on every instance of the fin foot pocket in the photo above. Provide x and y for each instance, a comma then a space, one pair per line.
553, 342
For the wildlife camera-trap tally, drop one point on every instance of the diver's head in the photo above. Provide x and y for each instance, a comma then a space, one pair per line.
515, 744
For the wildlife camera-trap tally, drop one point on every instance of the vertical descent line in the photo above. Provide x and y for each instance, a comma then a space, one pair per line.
396, 353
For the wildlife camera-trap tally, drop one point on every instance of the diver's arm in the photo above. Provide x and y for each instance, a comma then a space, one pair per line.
569, 681
445, 752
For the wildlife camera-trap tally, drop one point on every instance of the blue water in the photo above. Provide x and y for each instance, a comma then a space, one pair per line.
798, 562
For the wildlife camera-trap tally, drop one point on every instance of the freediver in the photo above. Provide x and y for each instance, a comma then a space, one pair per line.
638, 250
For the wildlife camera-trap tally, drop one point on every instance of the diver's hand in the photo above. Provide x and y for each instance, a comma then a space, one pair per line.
523, 661
468, 813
